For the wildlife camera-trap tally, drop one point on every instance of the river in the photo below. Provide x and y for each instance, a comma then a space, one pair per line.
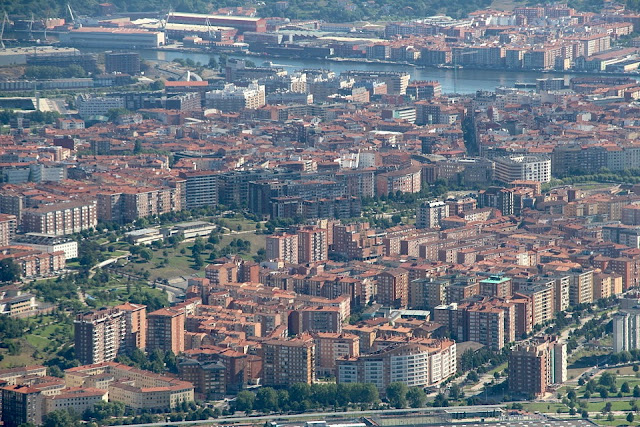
452, 81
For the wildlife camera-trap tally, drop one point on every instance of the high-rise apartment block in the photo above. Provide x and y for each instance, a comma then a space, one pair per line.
282, 247
166, 330
626, 330
534, 366
99, 336
430, 214
21, 405
135, 316
313, 245
393, 288
286, 362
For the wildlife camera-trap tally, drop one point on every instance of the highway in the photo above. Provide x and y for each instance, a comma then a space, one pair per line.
322, 415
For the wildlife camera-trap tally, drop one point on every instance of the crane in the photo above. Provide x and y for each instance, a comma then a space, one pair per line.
73, 18
5, 20
31, 27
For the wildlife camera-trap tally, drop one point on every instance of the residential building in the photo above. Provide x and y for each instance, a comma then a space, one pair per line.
429, 214
282, 247
626, 330
166, 330
99, 336
313, 245
419, 362
393, 288
21, 404
286, 362
535, 366
528, 168
135, 316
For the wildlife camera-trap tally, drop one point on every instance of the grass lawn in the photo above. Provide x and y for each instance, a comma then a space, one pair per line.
618, 421
233, 223
38, 341
617, 405
182, 264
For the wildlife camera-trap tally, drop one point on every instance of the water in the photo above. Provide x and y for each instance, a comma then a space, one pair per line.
452, 81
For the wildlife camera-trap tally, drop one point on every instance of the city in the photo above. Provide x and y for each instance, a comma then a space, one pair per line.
265, 215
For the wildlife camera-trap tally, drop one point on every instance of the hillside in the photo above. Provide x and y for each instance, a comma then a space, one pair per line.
330, 10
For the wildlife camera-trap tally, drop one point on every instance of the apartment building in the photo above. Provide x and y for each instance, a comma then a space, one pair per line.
419, 362
313, 245
8, 226
166, 330
581, 287
393, 288
333, 346
234, 98
99, 335
89, 105
428, 292
208, 378
21, 405
407, 180
135, 316
496, 286
286, 362
535, 366
60, 218
282, 247
626, 330
528, 168
430, 214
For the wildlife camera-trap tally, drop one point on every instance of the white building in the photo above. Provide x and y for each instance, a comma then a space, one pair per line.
429, 214
50, 243
528, 168
417, 363
235, 98
88, 105
626, 330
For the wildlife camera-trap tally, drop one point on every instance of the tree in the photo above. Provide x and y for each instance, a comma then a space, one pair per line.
397, 394
9, 270
607, 379
636, 391
630, 417
607, 408
625, 387
266, 400
416, 397
146, 254
473, 377
60, 418
245, 401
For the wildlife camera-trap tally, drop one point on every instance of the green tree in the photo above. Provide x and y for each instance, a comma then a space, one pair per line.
625, 387
416, 397
630, 417
9, 270
60, 418
266, 399
636, 391
397, 394
245, 401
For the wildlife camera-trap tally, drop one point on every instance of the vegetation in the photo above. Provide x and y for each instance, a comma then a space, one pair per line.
36, 117
302, 397
42, 72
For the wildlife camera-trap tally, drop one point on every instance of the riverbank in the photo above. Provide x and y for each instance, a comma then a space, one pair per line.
397, 63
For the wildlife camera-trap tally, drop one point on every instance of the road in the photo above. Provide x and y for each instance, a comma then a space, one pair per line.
321, 415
